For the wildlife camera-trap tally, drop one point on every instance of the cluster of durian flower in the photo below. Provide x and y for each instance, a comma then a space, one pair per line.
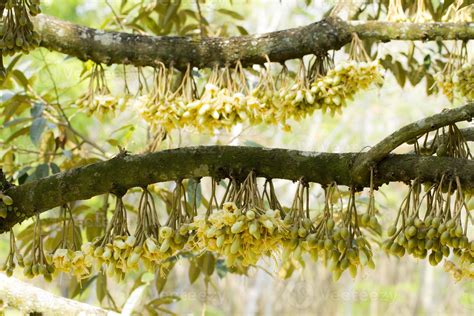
339, 86
35, 261
223, 103
463, 81
14, 257
98, 98
458, 12
242, 230
422, 15
439, 232
335, 238
119, 252
67, 257
77, 263
16, 32
445, 83
459, 271
395, 12
248, 226
227, 100
457, 77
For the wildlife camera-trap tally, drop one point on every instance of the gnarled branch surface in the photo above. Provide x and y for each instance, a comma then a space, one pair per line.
409, 132
141, 50
124, 172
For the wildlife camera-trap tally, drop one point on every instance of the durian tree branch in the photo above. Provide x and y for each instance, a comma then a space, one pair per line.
407, 133
128, 171
29, 299
141, 50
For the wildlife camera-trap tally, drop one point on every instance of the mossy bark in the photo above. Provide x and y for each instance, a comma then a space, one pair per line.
407, 133
141, 50
124, 172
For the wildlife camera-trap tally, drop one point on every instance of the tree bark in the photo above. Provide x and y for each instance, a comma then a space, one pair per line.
407, 133
141, 50
124, 172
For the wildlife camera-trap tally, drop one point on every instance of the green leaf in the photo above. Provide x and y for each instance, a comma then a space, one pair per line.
207, 262
166, 311
16, 121
77, 288
18, 133
42, 171
37, 129
37, 109
15, 105
171, 12
3, 211
399, 73
52, 241
113, 142
165, 300
162, 276
23, 175
430, 84
21, 78
54, 168
415, 76
232, 14
188, 29
101, 286
194, 271
13, 62
242, 30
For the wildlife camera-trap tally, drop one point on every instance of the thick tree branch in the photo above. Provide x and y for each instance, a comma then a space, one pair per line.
28, 299
141, 50
124, 172
409, 132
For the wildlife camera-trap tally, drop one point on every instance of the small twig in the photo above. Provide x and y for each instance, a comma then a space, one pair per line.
201, 20
409, 132
116, 17
61, 110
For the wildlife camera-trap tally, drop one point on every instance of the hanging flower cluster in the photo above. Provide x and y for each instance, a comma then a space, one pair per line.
242, 230
430, 223
98, 98
335, 236
457, 77
227, 98
248, 225
16, 33
463, 81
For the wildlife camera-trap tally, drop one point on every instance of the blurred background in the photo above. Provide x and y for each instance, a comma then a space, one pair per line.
395, 287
